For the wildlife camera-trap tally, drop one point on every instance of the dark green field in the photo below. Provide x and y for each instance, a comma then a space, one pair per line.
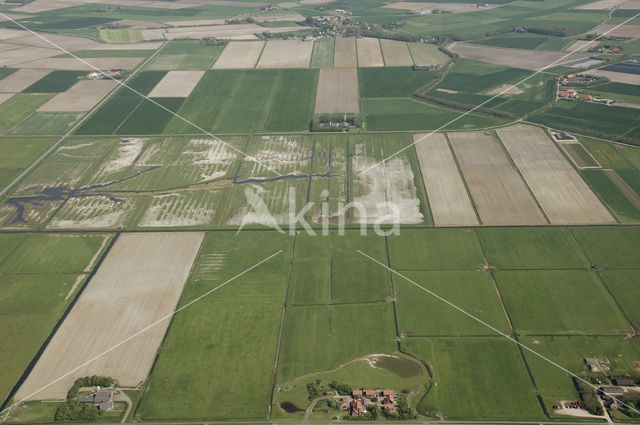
55, 82
391, 82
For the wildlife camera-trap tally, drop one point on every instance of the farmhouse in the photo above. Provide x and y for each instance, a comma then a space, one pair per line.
102, 398
357, 408
624, 381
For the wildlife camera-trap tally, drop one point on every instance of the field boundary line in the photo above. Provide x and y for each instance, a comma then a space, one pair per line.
463, 179
510, 322
517, 169
120, 83
81, 121
502, 92
55, 328
276, 362
162, 319
494, 329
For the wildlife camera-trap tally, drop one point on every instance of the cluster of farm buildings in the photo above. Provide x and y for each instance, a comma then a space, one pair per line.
362, 398
579, 80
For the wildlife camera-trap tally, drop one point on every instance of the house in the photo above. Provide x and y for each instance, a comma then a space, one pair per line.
388, 407
606, 392
623, 381
102, 398
356, 393
562, 136
370, 393
389, 396
357, 408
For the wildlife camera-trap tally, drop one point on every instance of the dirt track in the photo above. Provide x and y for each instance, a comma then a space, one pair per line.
563, 195
337, 90
448, 198
499, 193
139, 282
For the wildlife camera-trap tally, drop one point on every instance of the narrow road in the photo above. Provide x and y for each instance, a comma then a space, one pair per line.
309, 410
122, 397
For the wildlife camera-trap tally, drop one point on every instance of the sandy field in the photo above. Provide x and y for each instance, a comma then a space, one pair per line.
391, 182
617, 77
46, 5
499, 193
7, 33
129, 46
315, 1
81, 97
580, 46
517, 58
239, 55
627, 30
286, 54
447, 7
5, 96
153, 34
195, 22
345, 55
601, 4
65, 41
75, 64
563, 195
396, 53
177, 84
139, 283
631, 4
337, 91
369, 53
448, 197
295, 17
21, 79
25, 54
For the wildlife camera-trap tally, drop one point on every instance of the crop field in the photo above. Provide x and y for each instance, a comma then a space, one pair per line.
498, 192
396, 53
185, 55
240, 101
391, 82
119, 274
323, 51
448, 198
411, 114
369, 53
337, 91
37, 291
160, 240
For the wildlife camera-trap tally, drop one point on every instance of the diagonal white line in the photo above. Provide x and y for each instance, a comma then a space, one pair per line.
450, 304
168, 316
501, 93
141, 95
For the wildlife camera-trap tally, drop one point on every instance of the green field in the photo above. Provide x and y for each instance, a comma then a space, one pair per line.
39, 275
18, 153
422, 314
249, 101
226, 343
391, 82
476, 377
559, 302
609, 155
121, 36
46, 123
19, 107
435, 249
622, 207
55, 82
580, 155
610, 248
531, 248
410, 114
310, 281
323, 52
314, 337
186, 54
